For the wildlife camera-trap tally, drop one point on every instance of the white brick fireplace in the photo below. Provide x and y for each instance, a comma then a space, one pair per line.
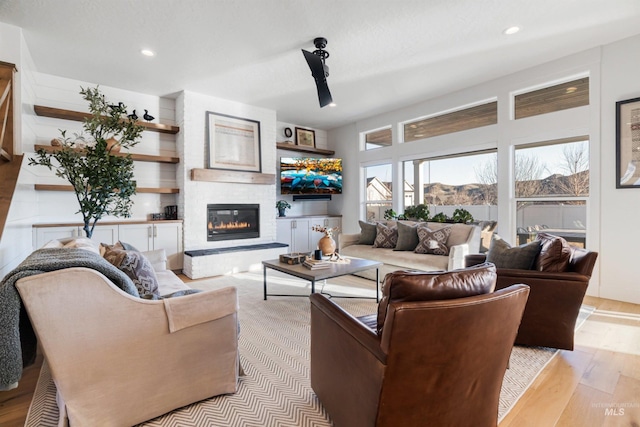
194, 196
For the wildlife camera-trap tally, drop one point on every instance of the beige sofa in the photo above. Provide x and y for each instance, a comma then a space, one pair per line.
117, 359
463, 240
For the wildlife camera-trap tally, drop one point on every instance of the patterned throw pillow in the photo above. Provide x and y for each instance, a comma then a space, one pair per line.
433, 242
520, 257
386, 237
137, 267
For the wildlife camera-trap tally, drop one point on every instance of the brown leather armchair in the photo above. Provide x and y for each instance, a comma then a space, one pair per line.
549, 319
437, 363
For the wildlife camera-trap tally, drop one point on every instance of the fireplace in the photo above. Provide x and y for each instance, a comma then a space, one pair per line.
233, 221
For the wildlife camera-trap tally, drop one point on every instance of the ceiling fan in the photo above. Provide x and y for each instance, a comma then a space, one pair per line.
319, 70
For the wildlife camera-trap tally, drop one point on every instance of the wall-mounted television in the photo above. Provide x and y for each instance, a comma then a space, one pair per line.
310, 175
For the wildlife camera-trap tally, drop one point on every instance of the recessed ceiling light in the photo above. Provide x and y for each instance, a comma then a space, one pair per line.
333, 104
147, 52
511, 30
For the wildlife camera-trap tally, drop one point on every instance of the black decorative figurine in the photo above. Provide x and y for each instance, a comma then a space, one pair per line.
133, 116
148, 117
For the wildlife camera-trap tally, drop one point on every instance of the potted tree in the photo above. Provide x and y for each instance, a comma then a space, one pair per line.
103, 182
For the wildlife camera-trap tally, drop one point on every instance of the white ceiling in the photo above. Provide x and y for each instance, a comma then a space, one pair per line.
385, 54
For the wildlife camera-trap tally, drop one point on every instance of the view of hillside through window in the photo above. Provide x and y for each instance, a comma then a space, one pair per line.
552, 188
468, 181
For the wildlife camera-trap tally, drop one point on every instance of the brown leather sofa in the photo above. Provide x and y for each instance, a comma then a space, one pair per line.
434, 362
549, 319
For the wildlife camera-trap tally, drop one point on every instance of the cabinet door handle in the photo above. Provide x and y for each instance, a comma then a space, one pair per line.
294, 224
326, 222
149, 231
155, 230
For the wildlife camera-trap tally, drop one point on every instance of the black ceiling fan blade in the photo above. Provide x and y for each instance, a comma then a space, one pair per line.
318, 72
315, 64
324, 96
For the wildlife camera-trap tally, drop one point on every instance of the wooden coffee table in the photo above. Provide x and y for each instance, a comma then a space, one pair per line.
336, 269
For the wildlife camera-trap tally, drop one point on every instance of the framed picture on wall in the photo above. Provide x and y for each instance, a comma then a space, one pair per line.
305, 137
234, 143
628, 143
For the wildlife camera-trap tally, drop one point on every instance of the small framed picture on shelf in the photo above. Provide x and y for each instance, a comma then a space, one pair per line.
305, 137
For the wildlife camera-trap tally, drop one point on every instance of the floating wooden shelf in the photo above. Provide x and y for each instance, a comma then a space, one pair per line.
303, 149
161, 190
216, 175
58, 113
138, 157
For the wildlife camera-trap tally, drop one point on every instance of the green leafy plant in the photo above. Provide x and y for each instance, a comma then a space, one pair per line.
417, 212
282, 204
390, 214
462, 215
102, 181
440, 217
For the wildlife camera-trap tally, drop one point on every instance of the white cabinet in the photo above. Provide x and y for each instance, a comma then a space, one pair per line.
144, 236
101, 233
152, 236
297, 232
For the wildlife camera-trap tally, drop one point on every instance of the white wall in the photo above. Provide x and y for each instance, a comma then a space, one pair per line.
191, 111
59, 92
620, 236
504, 136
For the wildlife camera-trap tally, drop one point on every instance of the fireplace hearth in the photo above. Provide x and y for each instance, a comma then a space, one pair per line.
233, 221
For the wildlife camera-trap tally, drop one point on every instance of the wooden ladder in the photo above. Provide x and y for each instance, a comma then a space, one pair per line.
9, 163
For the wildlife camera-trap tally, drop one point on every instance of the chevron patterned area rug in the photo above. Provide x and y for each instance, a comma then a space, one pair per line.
274, 349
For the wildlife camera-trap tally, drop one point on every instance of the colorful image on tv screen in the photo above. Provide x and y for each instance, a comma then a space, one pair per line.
310, 175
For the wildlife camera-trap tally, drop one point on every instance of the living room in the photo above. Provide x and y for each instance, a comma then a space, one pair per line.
609, 64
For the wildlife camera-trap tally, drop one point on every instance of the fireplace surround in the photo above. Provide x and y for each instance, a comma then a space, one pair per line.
233, 221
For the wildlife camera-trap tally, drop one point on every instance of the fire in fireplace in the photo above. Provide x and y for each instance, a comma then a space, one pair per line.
233, 221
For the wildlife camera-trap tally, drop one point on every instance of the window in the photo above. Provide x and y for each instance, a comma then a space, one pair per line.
466, 181
378, 193
456, 121
552, 189
553, 98
377, 139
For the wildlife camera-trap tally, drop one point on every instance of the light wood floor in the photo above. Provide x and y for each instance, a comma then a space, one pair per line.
597, 384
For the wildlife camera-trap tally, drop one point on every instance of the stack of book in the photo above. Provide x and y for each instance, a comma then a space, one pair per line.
314, 264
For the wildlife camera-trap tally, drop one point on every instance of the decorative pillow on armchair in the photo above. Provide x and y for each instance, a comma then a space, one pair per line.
554, 255
137, 267
404, 286
386, 237
520, 257
433, 241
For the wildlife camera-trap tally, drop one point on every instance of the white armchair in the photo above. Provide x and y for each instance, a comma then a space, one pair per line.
119, 360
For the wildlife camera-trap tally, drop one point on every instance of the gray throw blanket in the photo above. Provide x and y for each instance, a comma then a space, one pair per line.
17, 339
